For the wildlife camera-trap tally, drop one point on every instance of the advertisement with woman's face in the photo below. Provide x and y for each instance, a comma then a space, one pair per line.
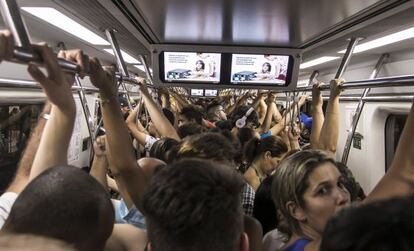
263, 69
192, 67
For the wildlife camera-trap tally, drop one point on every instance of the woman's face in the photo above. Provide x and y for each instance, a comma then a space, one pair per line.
325, 196
265, 68
272, 163
199, 66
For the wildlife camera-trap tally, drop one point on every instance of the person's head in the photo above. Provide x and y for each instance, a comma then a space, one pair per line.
124, 105
23, 242
189, 129
266, 68
200, 66
378, 226
215, 112
190, 114
64, 203
211, 146
195, 205
245, 135
150, 166
252, 121
355, 190
308, 189
169, 115
265, 153
161, 148
264, 209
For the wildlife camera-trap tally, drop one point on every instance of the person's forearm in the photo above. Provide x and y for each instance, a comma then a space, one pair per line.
25, 164
268, 117
262, 111
54, 144
318, 120
120, 148
162, 124
328, 140
98, 170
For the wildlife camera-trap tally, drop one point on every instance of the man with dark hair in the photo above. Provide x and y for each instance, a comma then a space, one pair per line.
194, 205
215, 112
189, 129
64, 203
190, 114
386, 225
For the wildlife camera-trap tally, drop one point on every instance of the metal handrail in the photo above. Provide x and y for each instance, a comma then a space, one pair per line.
27, 84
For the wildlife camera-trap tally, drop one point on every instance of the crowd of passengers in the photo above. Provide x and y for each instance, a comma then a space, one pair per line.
236, 173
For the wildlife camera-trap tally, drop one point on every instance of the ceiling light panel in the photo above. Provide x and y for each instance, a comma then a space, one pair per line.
317, 61
128, 58
58, 19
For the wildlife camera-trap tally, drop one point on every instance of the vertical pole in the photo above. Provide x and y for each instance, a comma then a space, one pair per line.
110, 34
359, 109
13, 20
347, 57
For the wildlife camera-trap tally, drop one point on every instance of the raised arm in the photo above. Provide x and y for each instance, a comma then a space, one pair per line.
328, 140
100, 162
399, 180
119, 143
163, 125
317, 115
276, 129
271, 108
137, 132
25, 164
53, 146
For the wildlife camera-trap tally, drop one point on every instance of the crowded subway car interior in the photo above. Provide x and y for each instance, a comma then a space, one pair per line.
177, 125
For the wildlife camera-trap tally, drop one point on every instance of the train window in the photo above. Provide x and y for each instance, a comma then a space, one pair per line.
394, 126
16, 124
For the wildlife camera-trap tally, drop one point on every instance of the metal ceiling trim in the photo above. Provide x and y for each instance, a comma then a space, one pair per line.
141, 24
338, 30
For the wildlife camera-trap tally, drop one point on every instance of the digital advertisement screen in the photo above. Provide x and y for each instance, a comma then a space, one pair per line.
259, 69
192, 67
197, 92
210, 93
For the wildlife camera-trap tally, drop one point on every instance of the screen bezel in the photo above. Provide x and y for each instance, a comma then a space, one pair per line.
293, 68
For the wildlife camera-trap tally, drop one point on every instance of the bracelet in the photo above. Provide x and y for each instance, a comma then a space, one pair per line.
45, 116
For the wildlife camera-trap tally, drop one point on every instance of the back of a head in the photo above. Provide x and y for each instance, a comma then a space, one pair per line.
189, 129
64, 203
378, 226
350, 183
32, 243
194, 205
212, 146
256, 147
264, 209
162, 148
192, 113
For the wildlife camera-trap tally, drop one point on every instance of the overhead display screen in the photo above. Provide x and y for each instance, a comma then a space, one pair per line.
259, 69
210, 93
191, 67
197, 92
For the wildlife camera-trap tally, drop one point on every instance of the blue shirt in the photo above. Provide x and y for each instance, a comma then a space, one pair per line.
298, 245
132, 216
